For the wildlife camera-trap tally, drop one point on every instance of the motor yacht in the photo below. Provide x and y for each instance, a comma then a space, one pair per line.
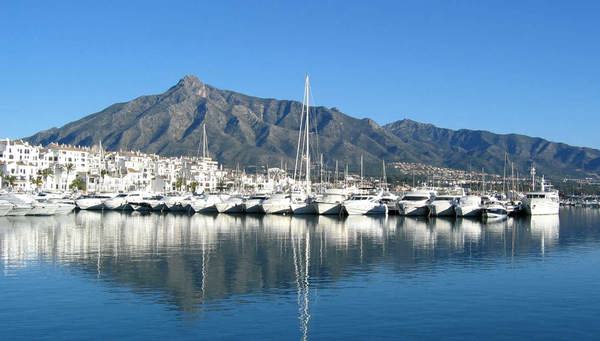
254, 203
302, 203
543, 202
331, 202
443, 204
364, 204
92, 202
494, 210
416, 203
37, 208
391, 201
207, 203
5, 207
278, 203
233, 204
468, 206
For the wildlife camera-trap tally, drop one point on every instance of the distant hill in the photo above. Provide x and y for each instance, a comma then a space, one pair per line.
260, 131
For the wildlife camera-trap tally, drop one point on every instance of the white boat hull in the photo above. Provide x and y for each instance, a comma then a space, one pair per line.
4, 209
230, 207
90, 204
413, 210
468, 211
328, 208
441, 209
64, 208
276, 208
365, 208
19, 210
43, 209
541, 207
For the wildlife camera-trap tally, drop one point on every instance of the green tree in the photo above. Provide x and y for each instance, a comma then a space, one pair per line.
194, 186
179, 183
11, 180
37, 181
77, 184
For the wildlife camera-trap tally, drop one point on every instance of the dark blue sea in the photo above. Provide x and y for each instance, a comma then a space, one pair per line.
93, 275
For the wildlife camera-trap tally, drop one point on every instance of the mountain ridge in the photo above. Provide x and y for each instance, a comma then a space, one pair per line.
251, 130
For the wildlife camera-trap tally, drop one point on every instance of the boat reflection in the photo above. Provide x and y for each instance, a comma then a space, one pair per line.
193, 260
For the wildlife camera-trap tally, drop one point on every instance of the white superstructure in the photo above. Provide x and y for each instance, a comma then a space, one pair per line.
543, 202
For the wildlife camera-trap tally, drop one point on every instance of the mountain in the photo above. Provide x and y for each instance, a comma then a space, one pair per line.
260, 131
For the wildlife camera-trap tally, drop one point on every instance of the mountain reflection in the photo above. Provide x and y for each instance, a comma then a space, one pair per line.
192, 260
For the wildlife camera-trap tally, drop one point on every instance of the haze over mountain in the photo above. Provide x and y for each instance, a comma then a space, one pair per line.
258, 131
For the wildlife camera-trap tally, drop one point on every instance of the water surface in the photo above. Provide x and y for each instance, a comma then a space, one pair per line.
113, 275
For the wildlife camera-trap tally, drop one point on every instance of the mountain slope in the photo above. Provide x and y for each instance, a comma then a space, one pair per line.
252, 130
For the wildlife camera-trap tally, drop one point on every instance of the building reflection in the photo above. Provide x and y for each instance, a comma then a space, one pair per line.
193, 260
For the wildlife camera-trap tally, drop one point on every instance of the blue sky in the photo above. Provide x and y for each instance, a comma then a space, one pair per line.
529, 67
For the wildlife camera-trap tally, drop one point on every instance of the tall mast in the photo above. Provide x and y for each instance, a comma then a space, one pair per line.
384, 187
307, 90
336, 172
504, 175
204, 141
361, 171
532, 178
321, 170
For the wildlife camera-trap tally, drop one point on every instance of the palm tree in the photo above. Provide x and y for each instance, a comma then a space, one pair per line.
69, 168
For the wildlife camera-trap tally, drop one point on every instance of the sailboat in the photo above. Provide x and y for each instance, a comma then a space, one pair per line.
300, 200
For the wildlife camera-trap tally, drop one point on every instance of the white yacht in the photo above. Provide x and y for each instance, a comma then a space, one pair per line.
19, 207
177, 203
364, 204
65, 206
156, 202
443, 204
391, 201
302, 203
37, 207
415, 203
331, 202
207, 203
92, 202
233, 204
544, 202
120, 202
494, 210
254, 203
278, 203
468, 206
5, 207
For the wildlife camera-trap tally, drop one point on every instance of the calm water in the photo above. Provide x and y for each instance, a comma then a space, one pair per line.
113, 275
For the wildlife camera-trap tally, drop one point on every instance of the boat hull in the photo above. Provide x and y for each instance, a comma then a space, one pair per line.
414, 210
303, 208
19, 210
328, 208
230, 207
276, 208
445, 209
541, 207
90, 204
361, 209
253, 207
468, 211
4, 209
